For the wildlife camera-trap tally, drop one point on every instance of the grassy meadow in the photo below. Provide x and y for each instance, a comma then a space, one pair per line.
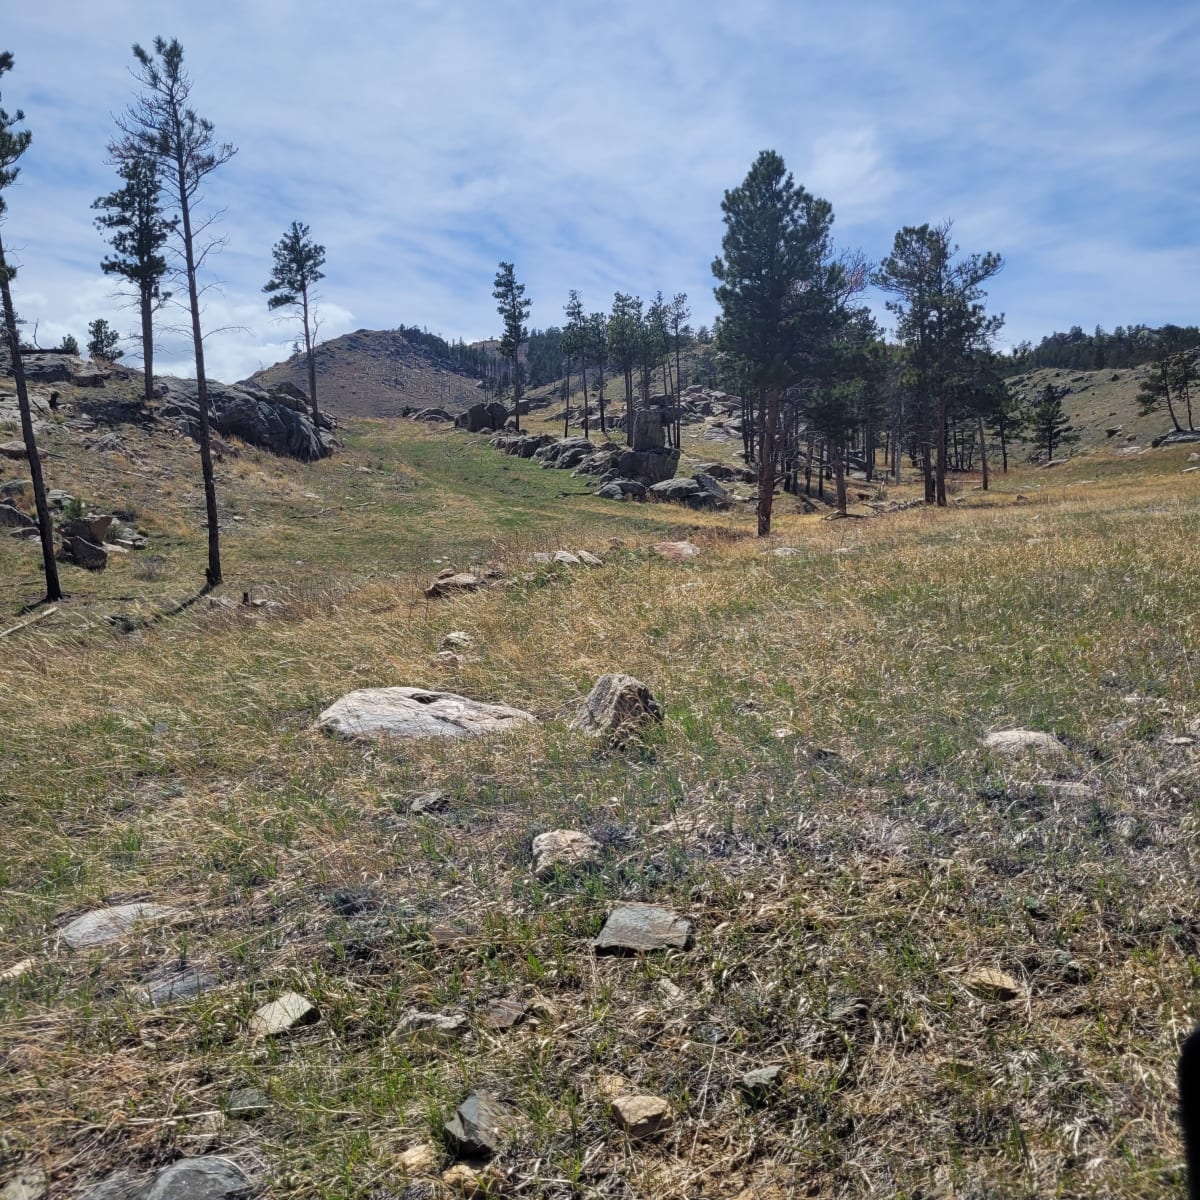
817, 800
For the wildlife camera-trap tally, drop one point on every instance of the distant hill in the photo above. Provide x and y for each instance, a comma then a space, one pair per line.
378, 373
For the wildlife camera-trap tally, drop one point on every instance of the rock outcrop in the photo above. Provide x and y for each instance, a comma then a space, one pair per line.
257, 417
405, 712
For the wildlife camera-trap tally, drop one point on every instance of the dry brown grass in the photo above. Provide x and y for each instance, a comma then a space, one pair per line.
816, 800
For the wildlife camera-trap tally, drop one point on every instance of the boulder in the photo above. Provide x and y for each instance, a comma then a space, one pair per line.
14, 518
497, 415
617, 707
475, 419
676, 551
21, 490
211, 1177
94, 528
648, 431
405, 712
248, 413
12, 449
648, 466
83, 553
432, 414
641, 928
623, 489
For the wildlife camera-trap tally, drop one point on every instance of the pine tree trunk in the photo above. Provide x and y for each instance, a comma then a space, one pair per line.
45, 527
941, 451
838, 457
587, 429
766, 465
983, 453
212, 574
516, 364
147, 306
567, 406
310, 358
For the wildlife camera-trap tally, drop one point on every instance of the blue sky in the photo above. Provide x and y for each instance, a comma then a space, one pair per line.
590, 144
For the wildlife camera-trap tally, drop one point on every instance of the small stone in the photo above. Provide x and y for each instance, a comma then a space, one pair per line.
676, 551
669, 991
447, 660
465, 1181
290, 1011
457, 640
479, 1125
419, 1159
641, 1116
430, 1025
29, 1183
183, 985
104, 925
988, 983
247, 1103
539, 558
504, 1014
787, 552
563, 848
17, 970
209, 1178
564, 558
589, 559
1019, 741
616, 708
428, 802
640, 928
758, 1083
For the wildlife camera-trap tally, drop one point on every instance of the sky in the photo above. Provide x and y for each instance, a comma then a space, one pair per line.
591, 143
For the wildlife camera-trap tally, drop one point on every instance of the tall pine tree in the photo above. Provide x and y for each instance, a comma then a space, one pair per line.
513, 309
298, 263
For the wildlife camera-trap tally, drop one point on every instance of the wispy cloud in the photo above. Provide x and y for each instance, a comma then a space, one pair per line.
591, 143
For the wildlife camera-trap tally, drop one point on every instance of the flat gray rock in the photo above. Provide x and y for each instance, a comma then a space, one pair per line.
104, 925
640, 928
183, 985
29, 1183
288, 1012
431, 1025
405, 712
247, 1103
209, 1178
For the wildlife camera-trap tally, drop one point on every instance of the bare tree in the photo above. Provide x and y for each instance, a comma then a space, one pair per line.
162, 126
14, 143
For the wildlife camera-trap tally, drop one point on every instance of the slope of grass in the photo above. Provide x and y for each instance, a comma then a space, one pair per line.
817, 800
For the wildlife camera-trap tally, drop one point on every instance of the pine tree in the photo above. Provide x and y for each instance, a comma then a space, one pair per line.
577, 341
298, 263
13, 143
161, 125
513, 309
103, 342
133, 214
775, 288
1049, 424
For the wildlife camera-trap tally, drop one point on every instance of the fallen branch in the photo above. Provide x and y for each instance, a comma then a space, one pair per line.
30, 620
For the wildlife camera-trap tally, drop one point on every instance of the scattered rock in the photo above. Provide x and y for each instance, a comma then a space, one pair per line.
428, 802
563, 848
13, 449
1019, 741
182, 985
787, 552
457, 640
447, 660
988, 983
479, 1126
454, 584
504, 1014
290, 1011
589, 559
104, 925
676, 551
29, 1183
403, 712
83, 553
209, 1178
758, 1084
419, 1159
431, 1025
467, 1182
640, 928
564, 558
641, 1116
616, 708
247, 1103
17, 970
622, 489
1063, 789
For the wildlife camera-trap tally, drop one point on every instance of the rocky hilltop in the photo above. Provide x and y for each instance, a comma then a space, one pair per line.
377, 373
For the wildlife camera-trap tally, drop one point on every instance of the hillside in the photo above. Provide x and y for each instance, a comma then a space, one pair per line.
377, 373
917, 965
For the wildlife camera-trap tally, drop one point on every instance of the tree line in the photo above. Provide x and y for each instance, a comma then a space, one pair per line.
1126, 346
